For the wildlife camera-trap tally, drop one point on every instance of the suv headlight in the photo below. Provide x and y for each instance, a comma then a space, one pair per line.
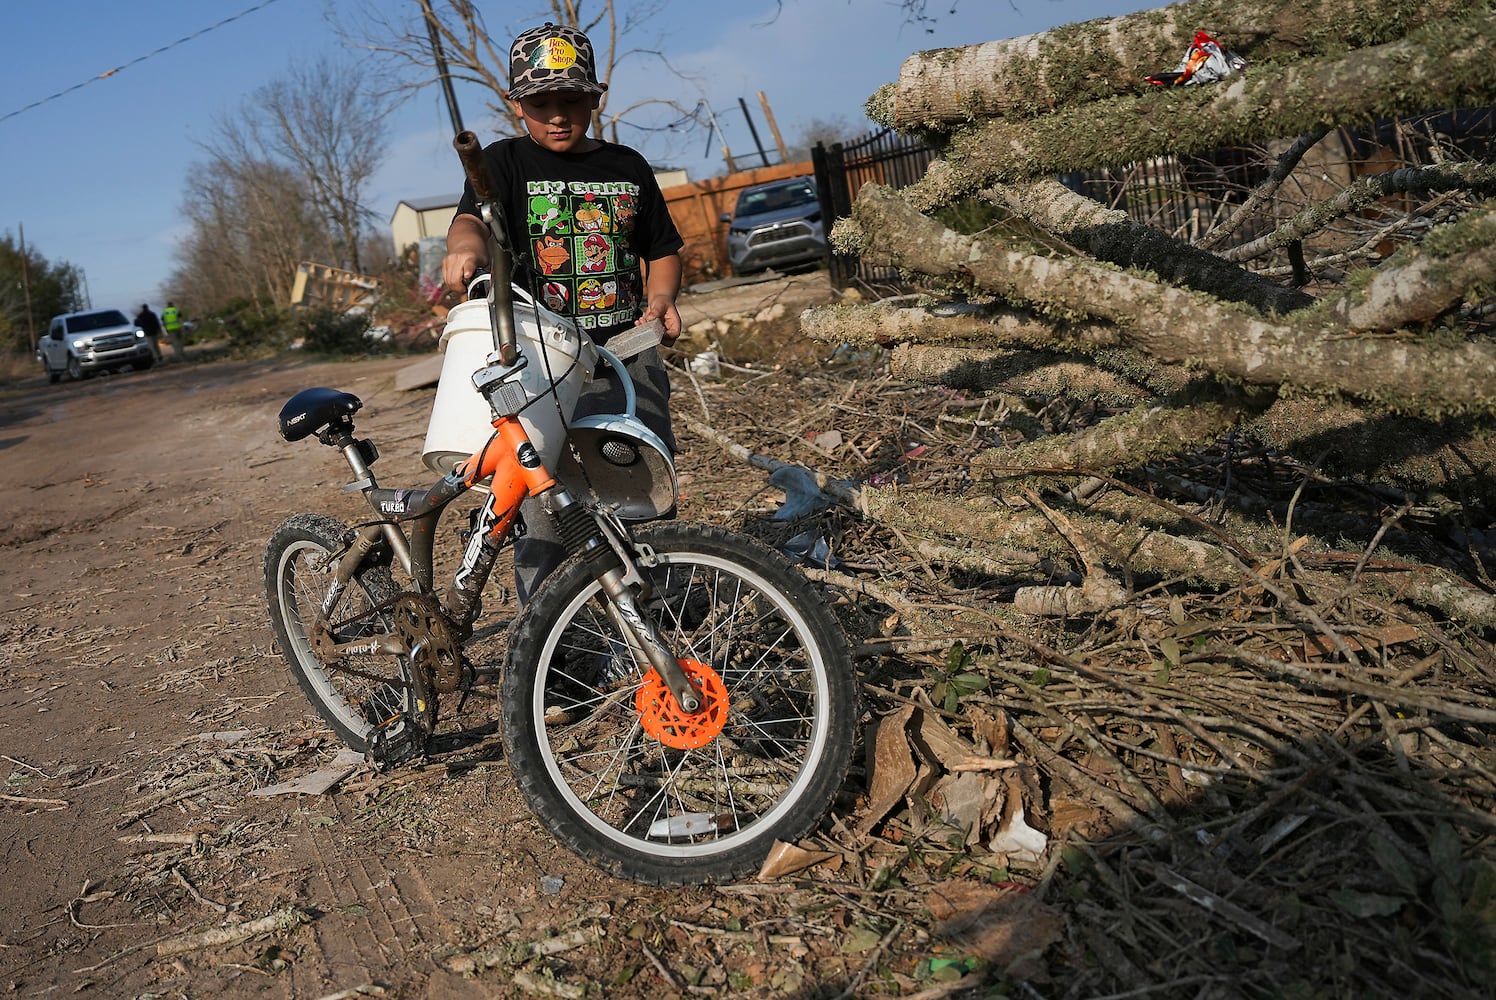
86, 344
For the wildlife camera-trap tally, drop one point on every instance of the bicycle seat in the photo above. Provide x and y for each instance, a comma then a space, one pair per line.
310, 410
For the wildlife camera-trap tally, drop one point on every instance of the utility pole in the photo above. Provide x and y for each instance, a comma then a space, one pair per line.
784, 153
26, 288
732, 167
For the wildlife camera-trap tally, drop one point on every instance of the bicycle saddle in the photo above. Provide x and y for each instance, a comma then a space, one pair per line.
310, 410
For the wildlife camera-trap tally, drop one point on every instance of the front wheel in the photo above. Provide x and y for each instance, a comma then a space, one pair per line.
75, 369
374, 700
613, 768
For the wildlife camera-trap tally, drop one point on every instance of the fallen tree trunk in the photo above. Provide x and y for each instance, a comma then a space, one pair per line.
1076, 63
1181, 327
1022, 373
1110, 235
1126, 440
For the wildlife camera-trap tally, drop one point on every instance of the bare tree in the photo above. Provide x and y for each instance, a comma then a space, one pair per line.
320, 121
283, 183
477, 52
840, 128
249, 224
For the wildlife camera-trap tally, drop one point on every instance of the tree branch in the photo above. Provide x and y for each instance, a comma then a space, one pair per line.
1110, 235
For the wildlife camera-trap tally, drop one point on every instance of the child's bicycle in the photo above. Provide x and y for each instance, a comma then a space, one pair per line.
676, 697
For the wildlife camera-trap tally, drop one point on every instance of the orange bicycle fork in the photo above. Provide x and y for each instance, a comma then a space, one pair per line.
517, 471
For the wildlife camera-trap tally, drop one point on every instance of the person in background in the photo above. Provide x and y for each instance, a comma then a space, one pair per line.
150, 325
171, 320
591, 235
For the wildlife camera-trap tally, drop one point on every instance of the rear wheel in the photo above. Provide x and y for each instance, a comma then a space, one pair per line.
625, 779
373, 700
54, 375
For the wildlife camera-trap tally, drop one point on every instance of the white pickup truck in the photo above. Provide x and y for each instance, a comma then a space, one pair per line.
82, 343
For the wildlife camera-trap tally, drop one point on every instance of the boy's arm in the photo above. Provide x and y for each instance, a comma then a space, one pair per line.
661, 286
467, 250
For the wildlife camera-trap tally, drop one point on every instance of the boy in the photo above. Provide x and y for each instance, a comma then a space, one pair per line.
590, 233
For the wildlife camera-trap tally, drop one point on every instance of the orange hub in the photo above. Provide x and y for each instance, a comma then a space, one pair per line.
663, 719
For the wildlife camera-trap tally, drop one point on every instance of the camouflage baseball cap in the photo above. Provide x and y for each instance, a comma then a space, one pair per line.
551, 57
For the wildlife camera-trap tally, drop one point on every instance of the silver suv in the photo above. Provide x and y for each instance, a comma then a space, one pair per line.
82, 343
775, 225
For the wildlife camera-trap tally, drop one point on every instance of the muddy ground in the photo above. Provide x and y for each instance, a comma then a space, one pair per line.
143, 704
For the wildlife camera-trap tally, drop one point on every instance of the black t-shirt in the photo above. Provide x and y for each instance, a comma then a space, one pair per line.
579, 224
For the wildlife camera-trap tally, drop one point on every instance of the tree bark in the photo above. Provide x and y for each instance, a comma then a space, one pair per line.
1022, 373
1125, 441
1077, 63
883, 325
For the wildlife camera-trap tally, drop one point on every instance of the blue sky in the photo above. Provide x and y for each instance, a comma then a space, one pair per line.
95, 176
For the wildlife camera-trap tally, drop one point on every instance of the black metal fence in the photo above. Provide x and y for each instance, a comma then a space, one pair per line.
842, 168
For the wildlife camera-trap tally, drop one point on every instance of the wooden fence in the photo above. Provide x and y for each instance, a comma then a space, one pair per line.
697, 210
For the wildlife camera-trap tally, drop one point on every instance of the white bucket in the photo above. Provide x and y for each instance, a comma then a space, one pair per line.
460, 418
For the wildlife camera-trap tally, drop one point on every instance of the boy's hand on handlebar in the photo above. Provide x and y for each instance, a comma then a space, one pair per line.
467, 251
458, 269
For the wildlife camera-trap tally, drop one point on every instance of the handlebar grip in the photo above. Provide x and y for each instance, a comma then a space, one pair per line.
470, 151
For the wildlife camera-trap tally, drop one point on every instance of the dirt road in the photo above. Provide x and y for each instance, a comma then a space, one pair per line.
143, 705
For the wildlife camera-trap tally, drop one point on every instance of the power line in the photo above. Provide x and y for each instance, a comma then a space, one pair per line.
140, 59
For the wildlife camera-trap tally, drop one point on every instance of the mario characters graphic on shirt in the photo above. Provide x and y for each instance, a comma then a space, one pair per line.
592, 215
596, 252
580, 235
623, 213
594, 295
556, 296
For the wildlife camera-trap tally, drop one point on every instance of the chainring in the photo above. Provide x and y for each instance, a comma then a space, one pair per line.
435, 648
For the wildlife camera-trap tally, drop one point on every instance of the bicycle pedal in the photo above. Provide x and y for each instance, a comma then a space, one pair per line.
389, 749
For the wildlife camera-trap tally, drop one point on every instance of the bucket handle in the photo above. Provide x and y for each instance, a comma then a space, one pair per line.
630, 398
480, 278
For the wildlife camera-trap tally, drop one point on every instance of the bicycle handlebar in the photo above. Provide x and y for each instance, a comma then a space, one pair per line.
470, 152
500, 297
